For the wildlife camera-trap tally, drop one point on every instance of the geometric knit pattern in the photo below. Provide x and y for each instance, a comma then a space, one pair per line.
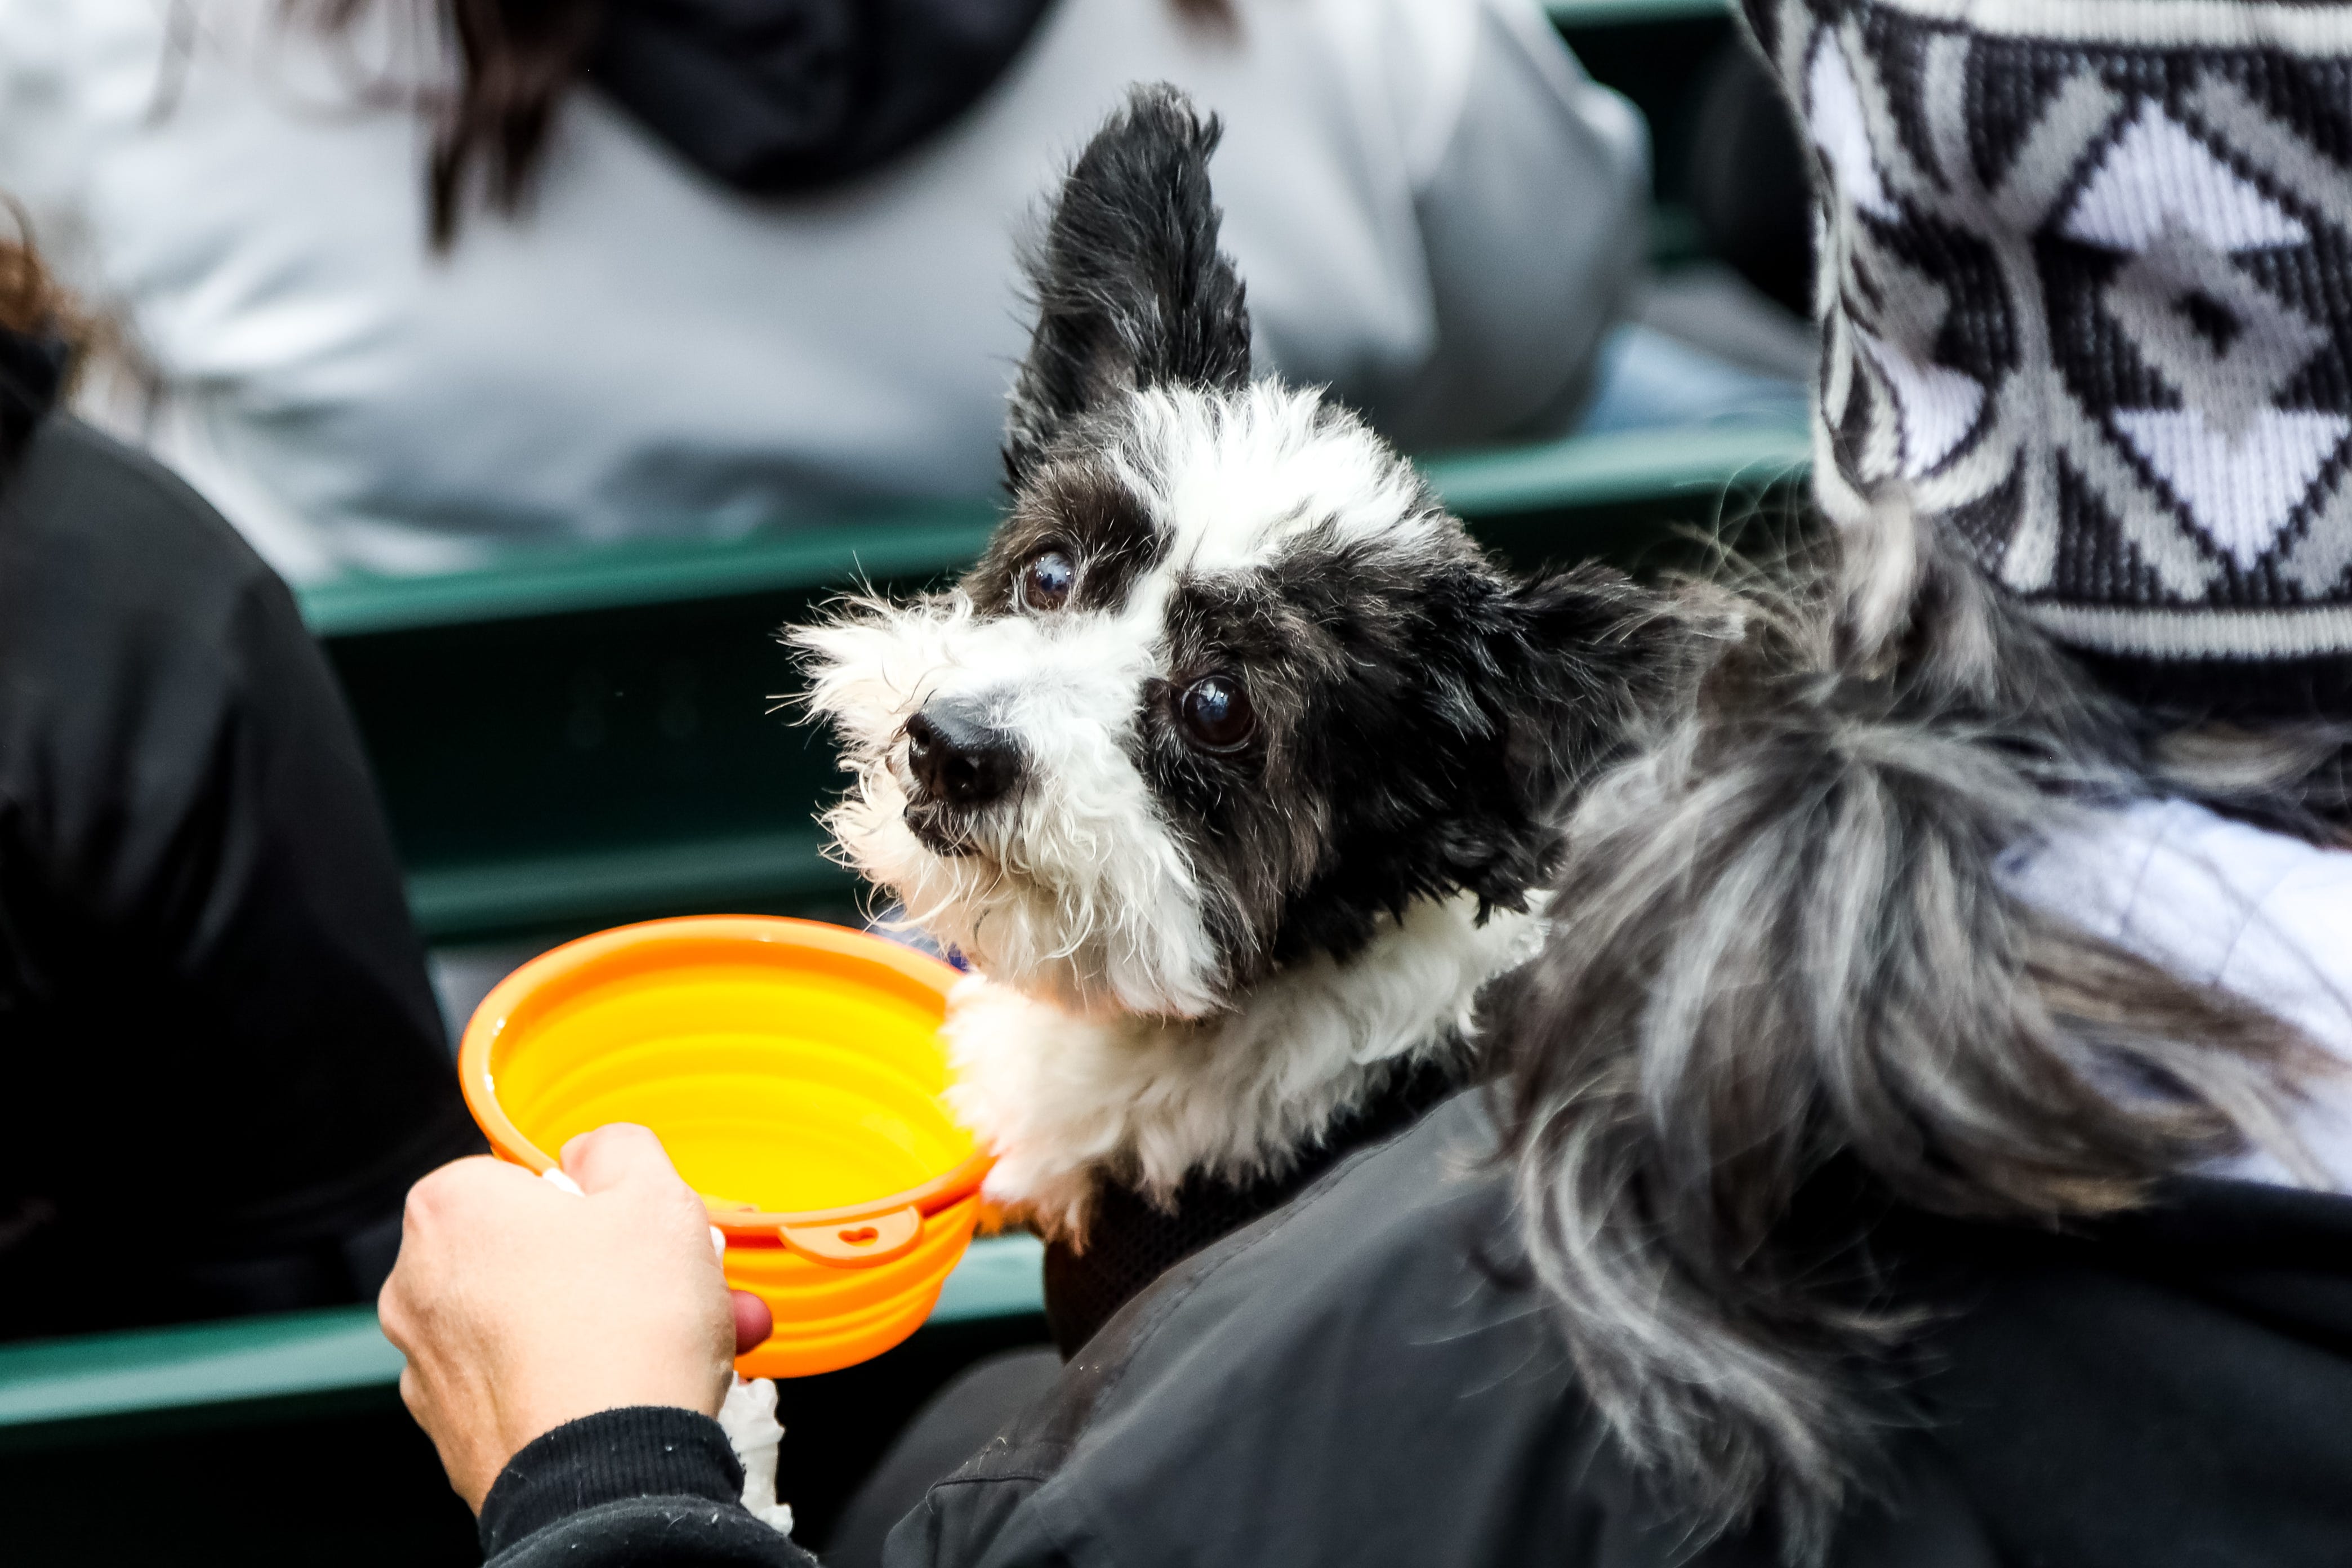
2085, 294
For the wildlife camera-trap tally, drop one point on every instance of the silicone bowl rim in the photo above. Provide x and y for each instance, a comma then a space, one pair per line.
490, 1018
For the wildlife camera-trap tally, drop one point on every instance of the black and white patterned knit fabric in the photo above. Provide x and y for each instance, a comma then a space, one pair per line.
2087, 299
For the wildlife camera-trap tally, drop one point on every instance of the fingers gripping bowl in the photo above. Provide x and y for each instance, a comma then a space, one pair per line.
792, 1070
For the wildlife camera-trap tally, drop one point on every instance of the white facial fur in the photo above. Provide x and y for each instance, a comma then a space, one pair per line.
1234, 478
1079, 890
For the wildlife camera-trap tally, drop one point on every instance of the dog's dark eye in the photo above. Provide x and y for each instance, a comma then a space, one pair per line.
1217, 713
1045, 582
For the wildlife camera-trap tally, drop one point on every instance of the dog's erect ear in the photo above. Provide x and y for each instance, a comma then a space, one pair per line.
1131, 290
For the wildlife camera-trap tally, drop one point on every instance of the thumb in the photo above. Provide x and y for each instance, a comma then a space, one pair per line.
620, 1154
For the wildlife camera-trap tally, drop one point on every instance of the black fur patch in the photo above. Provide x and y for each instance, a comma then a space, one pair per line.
1086, 514
1131, 289
1421, 719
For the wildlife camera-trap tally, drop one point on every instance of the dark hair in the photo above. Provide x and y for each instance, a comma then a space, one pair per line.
1785, 993
32, 302
40, 334
516, 59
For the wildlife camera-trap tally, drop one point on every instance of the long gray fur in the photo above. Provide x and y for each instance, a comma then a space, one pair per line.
1784, 989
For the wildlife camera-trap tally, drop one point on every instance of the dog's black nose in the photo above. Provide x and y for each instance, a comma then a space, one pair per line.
957, 758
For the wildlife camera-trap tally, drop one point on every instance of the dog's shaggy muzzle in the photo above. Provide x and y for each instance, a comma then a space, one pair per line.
961, 765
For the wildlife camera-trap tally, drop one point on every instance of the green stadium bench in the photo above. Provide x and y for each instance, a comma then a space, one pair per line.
298, 1366
281, 1440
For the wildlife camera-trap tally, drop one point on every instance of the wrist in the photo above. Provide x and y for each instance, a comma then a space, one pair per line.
641, 1450
552, 1397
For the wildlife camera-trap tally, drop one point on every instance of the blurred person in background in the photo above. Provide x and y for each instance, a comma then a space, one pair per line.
407, 281
218, 1052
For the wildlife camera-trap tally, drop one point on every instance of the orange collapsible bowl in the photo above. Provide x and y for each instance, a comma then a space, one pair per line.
793, 1072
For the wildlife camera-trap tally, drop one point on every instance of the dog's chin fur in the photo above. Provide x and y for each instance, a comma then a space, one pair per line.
1062, 1098
1078, 893
1103, 958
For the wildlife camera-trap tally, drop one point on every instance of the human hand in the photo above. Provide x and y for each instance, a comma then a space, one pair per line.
520, 1306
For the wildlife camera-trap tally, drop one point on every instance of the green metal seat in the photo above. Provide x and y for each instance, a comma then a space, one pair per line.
281, 1440
298, 1365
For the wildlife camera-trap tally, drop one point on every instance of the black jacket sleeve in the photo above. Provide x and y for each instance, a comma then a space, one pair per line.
649, 1487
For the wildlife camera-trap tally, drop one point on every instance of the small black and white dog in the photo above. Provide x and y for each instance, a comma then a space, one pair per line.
1235, 766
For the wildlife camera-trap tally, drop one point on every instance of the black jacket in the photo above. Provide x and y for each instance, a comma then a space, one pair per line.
1360, 1378
216, 1036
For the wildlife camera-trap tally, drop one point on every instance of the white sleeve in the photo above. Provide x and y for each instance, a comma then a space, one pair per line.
2218, 902
1531, 188
44, 153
